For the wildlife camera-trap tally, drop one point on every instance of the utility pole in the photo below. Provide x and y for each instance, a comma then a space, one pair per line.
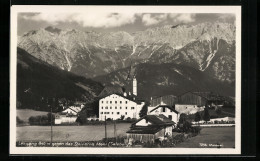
115, 131
49, 106
105, 128
51, 125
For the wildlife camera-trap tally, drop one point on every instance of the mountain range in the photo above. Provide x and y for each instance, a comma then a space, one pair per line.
39, 82
165, 79
74, 64
208, 47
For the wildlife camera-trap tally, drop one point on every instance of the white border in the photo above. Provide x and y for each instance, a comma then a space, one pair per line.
137, 9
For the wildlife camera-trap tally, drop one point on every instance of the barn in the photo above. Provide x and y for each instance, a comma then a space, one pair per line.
168, 100
150, 127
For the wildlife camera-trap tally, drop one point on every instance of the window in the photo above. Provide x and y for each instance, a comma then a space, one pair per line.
102, 107
126, 113
115, 107
107, 112
106, 107
110, 107
110, 102
118, 113
112, 112
163, 109
101, 112
120, 102
125, 107
146, 121
120, 107
107, 101
132, 108
170, 117
115, 102
102, 101
125, 102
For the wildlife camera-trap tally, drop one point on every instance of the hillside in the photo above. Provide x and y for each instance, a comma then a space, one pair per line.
166, 79
37, 81
208, 47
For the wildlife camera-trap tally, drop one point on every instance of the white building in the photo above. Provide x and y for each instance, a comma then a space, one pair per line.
188, 109
72, 110
69, 115
165, 110
114, 106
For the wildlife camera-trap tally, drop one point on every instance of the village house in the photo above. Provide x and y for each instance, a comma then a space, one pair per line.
188, 103
68, 115
150, 127
167, 111
116, 106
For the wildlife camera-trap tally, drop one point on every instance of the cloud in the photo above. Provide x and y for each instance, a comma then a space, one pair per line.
85, 19
149, 19
227, 17
108, 20
182, 17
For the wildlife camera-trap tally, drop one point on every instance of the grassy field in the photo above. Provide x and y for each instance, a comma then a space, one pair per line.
24, 114
207, 136
68, 133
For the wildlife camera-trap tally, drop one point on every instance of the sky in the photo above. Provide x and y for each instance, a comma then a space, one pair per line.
109, 22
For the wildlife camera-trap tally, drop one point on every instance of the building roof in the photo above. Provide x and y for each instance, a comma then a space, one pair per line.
145, 130
166, 106
131, 98
158, 123
108, 90
156, 120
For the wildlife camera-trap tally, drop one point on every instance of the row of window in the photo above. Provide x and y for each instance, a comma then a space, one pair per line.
115, 102
111, 113
132, 108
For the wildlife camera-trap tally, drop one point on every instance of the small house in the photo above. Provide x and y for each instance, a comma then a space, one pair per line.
150, 127
166, 110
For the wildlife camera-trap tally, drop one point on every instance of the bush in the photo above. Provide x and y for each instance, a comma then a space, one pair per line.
109, 119
41, 119
122, 117
232, 122
19, 121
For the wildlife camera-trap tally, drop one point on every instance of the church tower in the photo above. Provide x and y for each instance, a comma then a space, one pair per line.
134, 86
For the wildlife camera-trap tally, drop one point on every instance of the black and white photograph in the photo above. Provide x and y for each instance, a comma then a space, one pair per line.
125, 80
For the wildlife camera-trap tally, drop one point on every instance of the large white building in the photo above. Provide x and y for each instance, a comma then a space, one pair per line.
114, 106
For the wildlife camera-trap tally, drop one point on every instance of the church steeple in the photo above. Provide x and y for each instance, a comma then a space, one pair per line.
134, 86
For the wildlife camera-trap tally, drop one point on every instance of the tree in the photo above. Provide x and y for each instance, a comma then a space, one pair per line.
82, 118
197, 117
183, 118
219, 111
51, 118
206, 116
144, 110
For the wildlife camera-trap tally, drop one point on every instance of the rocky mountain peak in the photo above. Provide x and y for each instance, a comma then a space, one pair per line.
208, 47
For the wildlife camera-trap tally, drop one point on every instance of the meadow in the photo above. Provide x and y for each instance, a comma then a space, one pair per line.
69, 133
209, 137
25, 114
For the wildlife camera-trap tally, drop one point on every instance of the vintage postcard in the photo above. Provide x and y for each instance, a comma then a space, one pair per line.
125, 80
